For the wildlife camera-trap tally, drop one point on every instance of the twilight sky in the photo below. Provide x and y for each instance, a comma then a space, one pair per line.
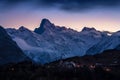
101, 14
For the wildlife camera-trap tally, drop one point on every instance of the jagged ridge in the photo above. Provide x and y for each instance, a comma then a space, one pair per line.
49, 42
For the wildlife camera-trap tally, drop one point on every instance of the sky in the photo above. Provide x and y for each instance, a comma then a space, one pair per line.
104, 15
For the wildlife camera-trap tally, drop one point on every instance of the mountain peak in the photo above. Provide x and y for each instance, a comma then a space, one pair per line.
88, 29
45, 21
44, 25
22, 28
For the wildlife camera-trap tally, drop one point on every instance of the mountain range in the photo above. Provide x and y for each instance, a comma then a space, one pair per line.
49, 42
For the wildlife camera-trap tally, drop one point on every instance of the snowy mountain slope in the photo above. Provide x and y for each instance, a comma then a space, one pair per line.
38, 54
49, 42
9, 50
110, 42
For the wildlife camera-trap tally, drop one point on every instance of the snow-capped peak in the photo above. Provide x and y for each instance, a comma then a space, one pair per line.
22, 28
91, 32
46, 22
44, 25
88, 29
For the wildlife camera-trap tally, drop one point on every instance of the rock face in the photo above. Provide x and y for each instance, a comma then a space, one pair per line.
9, 51
45, 24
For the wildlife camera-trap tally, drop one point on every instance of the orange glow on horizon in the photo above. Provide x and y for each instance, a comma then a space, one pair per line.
99, 25
75, 21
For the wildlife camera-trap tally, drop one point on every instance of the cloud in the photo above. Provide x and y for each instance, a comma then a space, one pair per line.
79, 5
67, 5
11, 2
